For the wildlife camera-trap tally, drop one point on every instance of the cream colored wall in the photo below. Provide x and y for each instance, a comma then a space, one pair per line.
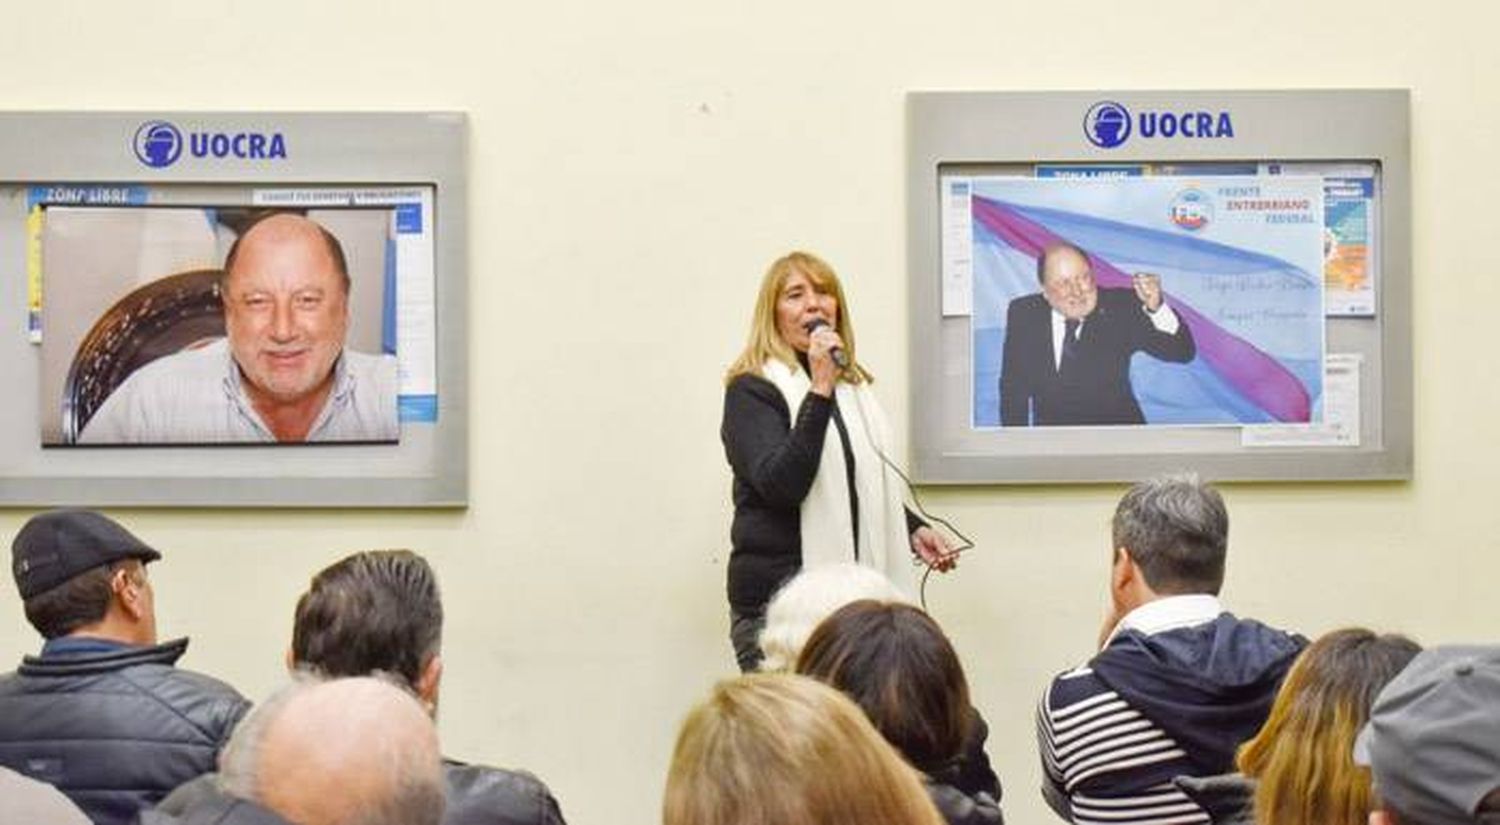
634, 167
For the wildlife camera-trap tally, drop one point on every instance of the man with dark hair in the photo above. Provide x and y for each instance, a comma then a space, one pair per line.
102, 713
1068, 348
380, 612
373, 611
282, 373
1178, 683
1433, 740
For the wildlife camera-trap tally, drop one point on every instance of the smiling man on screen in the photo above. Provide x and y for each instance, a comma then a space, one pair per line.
282, 374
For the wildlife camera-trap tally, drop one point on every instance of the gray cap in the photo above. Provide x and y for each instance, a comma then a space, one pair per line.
1433, 739
59, 544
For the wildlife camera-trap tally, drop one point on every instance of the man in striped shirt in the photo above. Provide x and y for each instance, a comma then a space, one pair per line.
1178, 682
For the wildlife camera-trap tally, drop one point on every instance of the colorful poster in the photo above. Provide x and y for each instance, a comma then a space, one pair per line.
1346, 246
1237, 336
1350, 243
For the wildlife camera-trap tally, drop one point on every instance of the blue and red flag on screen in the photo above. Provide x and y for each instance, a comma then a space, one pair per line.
1256, 317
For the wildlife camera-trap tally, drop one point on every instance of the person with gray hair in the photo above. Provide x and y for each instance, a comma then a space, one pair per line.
355, 751
1178, 683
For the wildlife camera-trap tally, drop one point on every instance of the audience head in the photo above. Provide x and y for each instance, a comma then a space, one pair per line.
772, 749
1433, 740
1170, 535
358, 751
1303, 756
895, 663
80, 573
807, 599
373, 611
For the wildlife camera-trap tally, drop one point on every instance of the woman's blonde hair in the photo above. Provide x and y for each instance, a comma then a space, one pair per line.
766, 343
775, 749
1303, 756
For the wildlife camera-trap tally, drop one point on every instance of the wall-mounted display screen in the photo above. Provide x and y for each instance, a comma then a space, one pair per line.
1102, 297
235, 327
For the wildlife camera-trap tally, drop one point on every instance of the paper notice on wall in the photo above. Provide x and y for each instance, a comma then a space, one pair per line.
958, 246
34, 274
1340, 424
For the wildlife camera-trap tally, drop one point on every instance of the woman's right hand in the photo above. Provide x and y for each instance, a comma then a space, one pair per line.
823, 371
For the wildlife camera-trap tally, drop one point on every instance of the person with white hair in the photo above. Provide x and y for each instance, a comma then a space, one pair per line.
810, 597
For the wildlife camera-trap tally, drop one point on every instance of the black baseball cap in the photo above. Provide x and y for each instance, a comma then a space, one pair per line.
59, 544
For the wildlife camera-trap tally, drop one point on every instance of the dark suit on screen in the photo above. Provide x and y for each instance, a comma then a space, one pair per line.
1093, 385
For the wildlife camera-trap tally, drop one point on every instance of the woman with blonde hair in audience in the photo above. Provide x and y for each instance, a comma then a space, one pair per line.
895, 663
778, 749
1300, 766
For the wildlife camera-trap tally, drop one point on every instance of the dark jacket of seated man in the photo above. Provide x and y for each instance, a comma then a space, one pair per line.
1178, 683
103, 713
380, 611
477, 795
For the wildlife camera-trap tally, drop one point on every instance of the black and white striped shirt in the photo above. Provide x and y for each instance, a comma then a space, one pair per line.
1104, 762
1096, 753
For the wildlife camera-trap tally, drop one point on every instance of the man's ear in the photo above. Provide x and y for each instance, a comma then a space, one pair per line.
1123, 573
1379, 817
429, 680
127, 592
291, 660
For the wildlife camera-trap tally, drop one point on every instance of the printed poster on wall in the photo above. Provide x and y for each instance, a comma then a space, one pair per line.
1239, 263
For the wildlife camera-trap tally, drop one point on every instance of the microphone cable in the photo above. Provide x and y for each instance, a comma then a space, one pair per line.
964, 542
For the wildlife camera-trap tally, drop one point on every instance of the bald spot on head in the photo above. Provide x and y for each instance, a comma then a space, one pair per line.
288, 229
342, 748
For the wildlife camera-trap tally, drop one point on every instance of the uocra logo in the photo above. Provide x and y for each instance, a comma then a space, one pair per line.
159, 144
1108, 124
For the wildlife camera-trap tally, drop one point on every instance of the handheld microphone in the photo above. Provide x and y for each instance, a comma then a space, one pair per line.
837, 353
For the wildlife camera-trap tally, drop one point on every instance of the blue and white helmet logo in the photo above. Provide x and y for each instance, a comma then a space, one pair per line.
1106, 124
158, 143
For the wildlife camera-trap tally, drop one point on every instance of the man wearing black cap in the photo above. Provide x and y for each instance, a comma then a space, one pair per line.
102, 713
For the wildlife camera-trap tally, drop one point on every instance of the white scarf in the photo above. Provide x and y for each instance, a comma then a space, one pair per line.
827, 527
